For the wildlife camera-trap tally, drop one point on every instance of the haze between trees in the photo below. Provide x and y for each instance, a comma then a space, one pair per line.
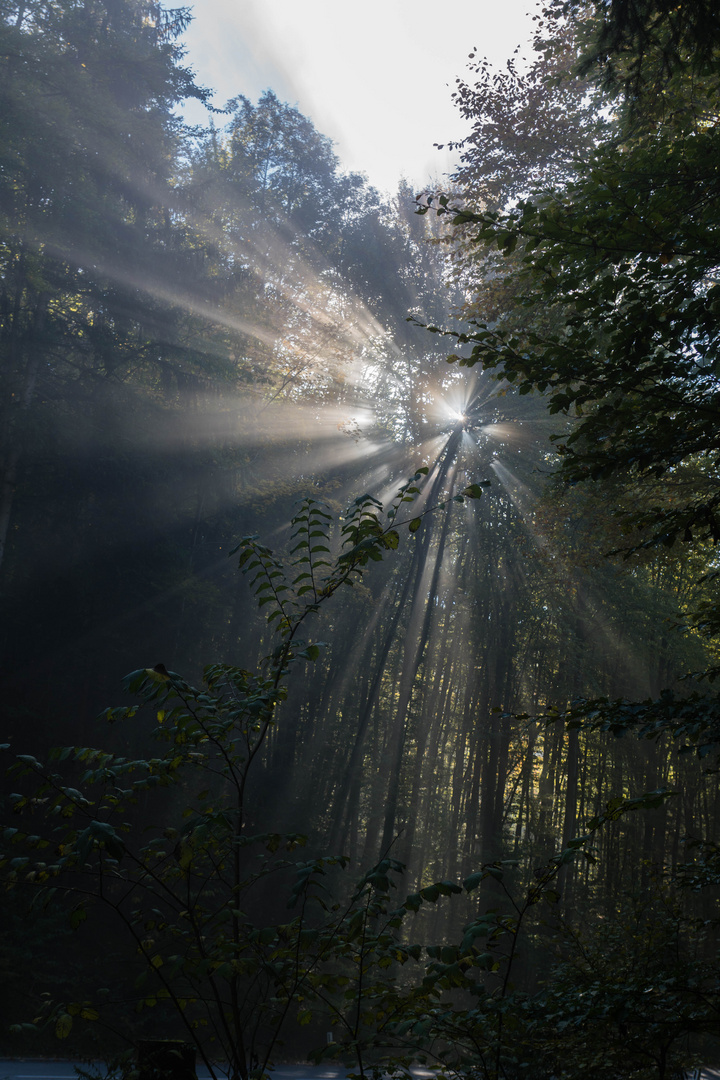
154, 289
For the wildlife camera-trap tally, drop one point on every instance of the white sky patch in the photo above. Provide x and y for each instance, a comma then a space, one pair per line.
376, 77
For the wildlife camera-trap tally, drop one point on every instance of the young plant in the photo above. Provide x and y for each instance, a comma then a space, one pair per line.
163, 841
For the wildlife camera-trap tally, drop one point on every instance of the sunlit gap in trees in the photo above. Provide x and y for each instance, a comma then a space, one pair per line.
331, 393
465, 398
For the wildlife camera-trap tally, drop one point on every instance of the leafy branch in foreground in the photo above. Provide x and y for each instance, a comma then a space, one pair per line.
164, 842
693, 720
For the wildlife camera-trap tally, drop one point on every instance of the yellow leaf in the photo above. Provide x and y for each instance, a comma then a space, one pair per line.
63, 1026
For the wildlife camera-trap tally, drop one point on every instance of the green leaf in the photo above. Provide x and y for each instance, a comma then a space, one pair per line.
77, 916
448, 888
310, 652
28, 759
470, 883
415, 524
431, 893
474, 491
63, 1025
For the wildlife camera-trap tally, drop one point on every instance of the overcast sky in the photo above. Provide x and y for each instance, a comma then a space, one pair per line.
374, 75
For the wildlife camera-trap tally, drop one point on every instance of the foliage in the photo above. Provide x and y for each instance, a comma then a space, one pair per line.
639, 45
468, 1014
181, 878
634, 995
176, 322
693, 719
528, 126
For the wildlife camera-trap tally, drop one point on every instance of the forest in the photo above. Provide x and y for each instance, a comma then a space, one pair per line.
400, 514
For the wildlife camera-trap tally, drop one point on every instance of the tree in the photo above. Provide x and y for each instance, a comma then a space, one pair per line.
528, 126
84, 187
616, 282
637, 46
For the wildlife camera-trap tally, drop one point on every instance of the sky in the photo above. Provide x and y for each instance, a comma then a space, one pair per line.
376, 76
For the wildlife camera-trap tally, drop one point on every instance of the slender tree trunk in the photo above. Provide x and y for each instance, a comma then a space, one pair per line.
570, 816
350, 783
12, 436
413, 656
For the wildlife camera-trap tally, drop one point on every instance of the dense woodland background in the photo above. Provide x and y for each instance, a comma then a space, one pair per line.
198, 327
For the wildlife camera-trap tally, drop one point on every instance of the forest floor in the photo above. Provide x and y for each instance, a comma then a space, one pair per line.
56, 1069
52, 1069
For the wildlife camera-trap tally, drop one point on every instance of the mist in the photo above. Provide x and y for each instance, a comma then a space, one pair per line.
199, 329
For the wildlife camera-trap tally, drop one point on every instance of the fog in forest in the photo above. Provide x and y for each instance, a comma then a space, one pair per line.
402, 513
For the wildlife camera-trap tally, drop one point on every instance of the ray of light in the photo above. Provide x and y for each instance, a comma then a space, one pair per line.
507, 431
234, 422
521, 497
308, 291
592, 607
428, 453
168, 294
